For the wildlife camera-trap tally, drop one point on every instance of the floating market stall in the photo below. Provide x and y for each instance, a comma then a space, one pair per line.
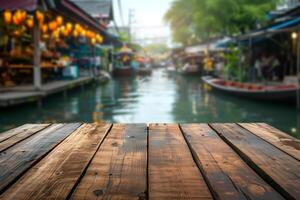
144, 64
268, 56
124, 65
38, 38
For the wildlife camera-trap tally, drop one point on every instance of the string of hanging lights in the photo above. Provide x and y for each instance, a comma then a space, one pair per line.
56, 27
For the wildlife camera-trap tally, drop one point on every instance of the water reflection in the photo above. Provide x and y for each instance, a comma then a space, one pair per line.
159, 98
215, 107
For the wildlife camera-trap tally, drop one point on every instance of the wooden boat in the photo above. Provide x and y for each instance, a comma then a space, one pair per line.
170, 70
254, 91
124, 67
192, 65
123, 71
144, 71
103, 77
190, 71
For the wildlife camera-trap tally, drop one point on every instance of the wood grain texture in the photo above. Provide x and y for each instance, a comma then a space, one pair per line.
281, 140
56, 174
276, 167
21, 134
228, 176
172, 172
119, 168
18, 159
10, 133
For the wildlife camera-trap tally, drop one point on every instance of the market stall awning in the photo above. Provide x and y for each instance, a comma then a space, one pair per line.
286, 26
214, 46
100, 9
262, 34
72, 10
65, 8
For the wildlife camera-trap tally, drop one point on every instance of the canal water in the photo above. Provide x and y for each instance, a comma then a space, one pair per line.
157, 98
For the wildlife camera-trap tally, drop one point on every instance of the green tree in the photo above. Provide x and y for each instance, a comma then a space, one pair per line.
124, 37
180, 18
197, 20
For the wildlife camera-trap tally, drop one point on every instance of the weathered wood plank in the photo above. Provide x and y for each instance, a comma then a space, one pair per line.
18, 159
10, 133
21, 134
228, 176
172, 172
279, 139
56, 174
276, 167
119, 168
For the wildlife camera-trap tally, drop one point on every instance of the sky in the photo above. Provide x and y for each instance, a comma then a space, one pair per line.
147, 20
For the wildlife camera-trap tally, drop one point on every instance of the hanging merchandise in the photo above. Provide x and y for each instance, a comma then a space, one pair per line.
39, 16
7, 17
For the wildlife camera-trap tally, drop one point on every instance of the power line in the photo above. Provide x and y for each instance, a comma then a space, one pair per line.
130, 17
121, 12
116, 27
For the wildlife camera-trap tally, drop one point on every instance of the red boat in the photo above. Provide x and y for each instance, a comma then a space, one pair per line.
254, 91
123, 71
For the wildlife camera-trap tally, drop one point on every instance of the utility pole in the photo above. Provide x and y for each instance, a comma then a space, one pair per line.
298, 71
37, 80
130, 17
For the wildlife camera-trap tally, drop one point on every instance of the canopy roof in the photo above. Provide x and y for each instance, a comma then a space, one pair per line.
97, 8
281, 27
125, 50
262, 34
65, 8
287, 13
213, 46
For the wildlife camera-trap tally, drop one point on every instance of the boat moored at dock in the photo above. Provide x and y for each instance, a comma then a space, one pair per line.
282, 92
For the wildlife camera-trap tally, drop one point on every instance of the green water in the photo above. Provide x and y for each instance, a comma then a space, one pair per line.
158, 98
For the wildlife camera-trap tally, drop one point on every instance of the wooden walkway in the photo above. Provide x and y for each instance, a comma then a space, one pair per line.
156, 161
25, 94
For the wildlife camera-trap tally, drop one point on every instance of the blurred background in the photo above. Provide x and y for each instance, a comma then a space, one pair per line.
132, 61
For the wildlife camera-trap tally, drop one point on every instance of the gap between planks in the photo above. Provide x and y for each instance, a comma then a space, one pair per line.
20, 158
264, 158
226, 174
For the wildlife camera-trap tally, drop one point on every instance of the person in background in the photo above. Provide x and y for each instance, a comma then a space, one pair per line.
220, 65
275, 69
208, 64
258, 68
266, 62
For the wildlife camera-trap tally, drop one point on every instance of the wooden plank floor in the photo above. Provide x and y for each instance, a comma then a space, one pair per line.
155, 161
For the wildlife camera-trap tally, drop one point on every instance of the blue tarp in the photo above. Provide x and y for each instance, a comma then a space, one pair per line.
284, 24
257, 38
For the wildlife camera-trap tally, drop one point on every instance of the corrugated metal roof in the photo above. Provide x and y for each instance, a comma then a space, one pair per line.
96, 8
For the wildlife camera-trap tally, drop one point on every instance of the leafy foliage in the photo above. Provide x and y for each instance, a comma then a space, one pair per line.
236, 65
196, 20
124, 37
232, 69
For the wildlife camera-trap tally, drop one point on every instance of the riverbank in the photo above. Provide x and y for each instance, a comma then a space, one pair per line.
27, 93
